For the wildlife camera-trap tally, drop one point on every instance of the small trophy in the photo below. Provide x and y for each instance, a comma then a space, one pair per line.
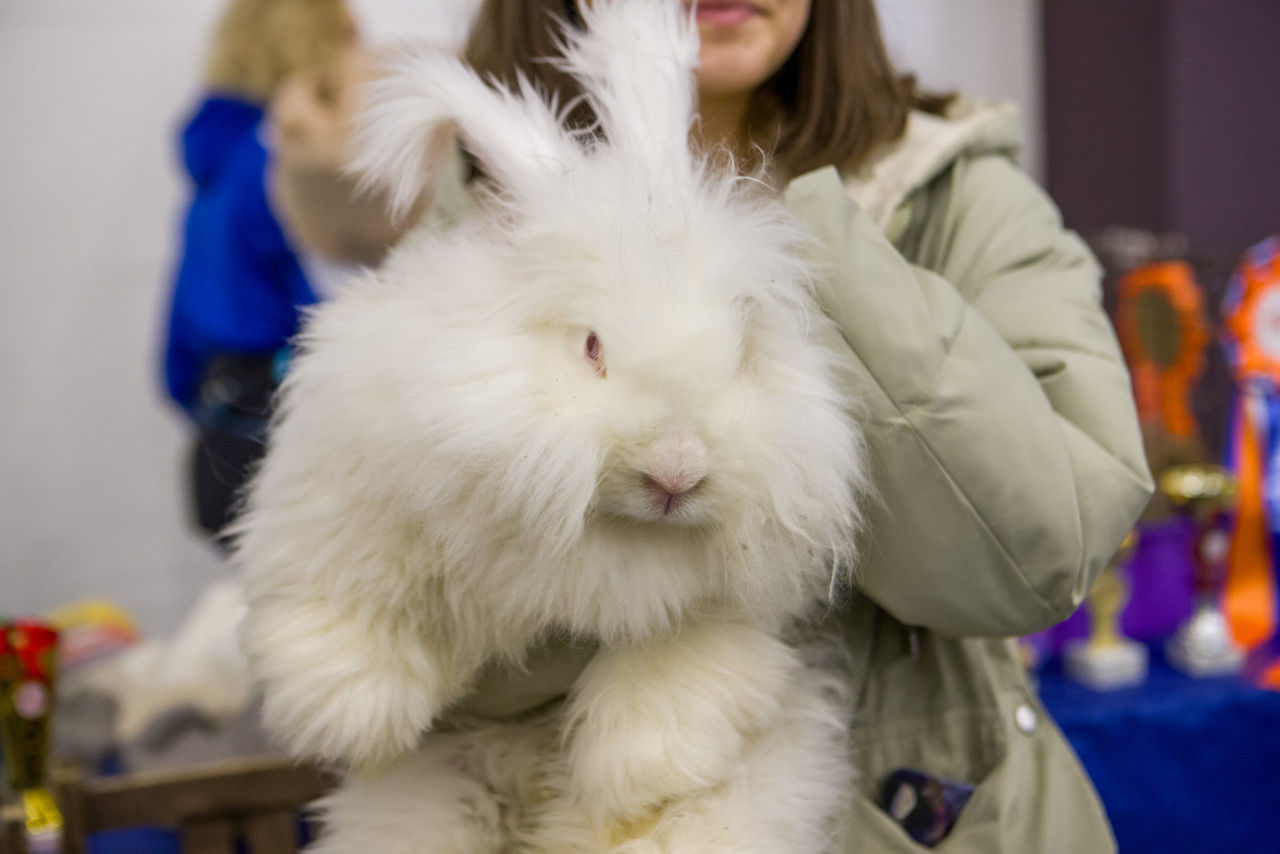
1107, 659
1203, 645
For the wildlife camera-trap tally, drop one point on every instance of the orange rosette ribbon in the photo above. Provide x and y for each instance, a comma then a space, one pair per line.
1160, 321
1252, 319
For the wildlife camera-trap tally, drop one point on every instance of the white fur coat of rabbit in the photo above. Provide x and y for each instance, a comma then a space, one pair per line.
596, 407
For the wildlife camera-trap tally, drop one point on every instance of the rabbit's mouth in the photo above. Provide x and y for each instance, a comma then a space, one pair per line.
672, 497
665, 480
650, 500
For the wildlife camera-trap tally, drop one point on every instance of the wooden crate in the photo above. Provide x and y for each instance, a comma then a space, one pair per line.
212, 807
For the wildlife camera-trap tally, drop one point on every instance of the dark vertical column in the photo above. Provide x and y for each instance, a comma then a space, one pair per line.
1105, 111
1224, 122
1165, 115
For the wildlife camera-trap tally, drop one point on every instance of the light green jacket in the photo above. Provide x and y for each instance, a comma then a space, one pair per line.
1008, 467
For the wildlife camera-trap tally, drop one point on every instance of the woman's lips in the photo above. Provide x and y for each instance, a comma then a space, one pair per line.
725, 13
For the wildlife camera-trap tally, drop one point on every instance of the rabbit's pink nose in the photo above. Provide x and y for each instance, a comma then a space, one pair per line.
671, 488
676, 467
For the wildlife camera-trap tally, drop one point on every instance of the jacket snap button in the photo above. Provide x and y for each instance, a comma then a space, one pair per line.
1025, 718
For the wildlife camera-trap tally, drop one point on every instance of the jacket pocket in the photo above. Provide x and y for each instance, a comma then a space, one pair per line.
1030, 796
960, 745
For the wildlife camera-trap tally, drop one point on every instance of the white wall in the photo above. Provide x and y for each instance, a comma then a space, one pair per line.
986, 48
90, 96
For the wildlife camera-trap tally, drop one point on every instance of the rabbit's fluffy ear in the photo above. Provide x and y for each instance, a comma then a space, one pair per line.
516, 136
635, 62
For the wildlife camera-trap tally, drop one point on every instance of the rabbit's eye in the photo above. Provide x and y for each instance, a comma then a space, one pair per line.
595, 353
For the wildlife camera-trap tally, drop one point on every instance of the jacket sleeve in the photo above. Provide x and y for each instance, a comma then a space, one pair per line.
1006, 455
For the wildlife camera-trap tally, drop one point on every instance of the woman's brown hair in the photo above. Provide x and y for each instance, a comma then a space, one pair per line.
834, 101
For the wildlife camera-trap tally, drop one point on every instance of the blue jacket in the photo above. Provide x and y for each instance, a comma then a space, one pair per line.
238, 285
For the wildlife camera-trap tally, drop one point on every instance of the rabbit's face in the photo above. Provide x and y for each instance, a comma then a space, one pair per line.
665, 386
676, 351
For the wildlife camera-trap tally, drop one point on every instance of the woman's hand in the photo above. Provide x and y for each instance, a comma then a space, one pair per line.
315, 199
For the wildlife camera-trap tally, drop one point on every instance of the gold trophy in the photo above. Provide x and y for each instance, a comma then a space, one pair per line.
1203, 645
1108, 659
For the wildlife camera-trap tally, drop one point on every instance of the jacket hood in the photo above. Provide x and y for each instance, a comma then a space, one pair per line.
927, 147
218, 125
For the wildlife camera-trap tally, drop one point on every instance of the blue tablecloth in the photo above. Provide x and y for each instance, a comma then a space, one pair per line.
147, 840
1183, 765
135, 841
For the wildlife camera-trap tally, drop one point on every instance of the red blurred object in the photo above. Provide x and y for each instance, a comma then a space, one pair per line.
28, 666
32, 644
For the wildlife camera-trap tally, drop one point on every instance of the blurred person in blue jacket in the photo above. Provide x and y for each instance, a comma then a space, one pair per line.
241, 280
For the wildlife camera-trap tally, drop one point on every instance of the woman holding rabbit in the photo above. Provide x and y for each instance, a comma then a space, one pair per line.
999, 424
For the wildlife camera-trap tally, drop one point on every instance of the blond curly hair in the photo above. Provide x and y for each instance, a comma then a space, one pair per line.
258, 43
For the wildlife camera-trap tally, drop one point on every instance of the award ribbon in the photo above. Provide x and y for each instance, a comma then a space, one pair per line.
1252, 315
1160, 321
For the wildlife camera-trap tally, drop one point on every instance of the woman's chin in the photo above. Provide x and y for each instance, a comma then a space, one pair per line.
731, 70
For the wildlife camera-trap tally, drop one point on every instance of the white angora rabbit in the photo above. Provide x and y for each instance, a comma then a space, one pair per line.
598, 407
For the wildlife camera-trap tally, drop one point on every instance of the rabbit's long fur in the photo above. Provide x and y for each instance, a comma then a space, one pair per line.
600, 406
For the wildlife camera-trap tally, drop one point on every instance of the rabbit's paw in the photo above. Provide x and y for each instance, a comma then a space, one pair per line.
339, 690
431, 802
364, 720
666, 718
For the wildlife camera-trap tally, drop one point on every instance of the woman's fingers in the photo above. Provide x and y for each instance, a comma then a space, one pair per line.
312, 111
